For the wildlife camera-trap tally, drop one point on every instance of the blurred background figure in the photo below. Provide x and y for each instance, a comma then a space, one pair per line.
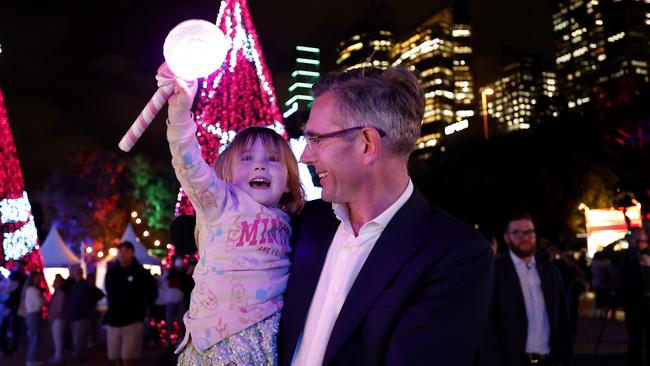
56, 318
93, 316
602, 283
4, 311
130, 290
635, 295
32, 308
528, 322
574, 280
13, 325
174, 300
78, 308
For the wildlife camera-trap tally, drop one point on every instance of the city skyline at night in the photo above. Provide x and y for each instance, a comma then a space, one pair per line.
94, 67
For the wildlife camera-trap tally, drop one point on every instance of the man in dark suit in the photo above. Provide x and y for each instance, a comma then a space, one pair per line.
528, 322
378, 276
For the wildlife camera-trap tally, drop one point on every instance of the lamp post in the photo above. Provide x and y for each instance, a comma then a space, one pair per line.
485, 91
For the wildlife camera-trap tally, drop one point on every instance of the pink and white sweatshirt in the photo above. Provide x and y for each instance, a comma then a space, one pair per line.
243, 248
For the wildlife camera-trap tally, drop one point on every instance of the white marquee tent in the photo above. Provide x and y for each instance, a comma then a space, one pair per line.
140, 251
57, 257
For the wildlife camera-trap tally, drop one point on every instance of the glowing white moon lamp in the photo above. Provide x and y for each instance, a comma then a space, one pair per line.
192, 49
195, 48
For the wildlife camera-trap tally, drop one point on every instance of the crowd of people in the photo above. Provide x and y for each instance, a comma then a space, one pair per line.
517, 325
69, 312
72, 316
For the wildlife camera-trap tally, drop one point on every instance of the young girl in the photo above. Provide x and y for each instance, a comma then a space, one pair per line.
242, 223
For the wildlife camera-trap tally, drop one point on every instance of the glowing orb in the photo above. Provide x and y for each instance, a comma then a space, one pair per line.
195, 48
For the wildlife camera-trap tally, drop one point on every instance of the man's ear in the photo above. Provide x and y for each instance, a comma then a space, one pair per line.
372, 145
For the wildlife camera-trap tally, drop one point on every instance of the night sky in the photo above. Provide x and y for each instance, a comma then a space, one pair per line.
75, 73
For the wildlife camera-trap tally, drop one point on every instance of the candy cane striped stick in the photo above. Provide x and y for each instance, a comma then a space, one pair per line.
146, 116
165, 78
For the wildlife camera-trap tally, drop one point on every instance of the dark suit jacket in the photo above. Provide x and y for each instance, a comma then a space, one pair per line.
505, 343
419, 298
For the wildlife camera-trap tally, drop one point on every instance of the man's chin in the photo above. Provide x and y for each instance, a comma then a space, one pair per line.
523, 253
326, 196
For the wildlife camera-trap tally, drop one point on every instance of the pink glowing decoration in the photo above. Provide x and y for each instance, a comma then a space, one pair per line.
194, 48
238, 95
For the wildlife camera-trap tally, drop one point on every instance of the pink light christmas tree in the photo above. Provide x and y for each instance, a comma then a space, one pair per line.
238, 95
19, 237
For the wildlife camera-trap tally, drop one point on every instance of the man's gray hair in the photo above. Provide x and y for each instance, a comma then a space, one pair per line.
391, 100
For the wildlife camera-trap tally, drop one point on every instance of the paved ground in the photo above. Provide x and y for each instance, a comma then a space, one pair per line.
611, 349
153, 354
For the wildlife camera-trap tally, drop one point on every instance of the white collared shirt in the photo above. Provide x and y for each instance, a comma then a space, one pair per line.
539, 331
344, 260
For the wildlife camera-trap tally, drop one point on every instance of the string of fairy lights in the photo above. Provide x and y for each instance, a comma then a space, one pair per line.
146, 233
158, 250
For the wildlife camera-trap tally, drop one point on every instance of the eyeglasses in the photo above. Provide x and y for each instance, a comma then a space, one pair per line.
521, 233
313, 141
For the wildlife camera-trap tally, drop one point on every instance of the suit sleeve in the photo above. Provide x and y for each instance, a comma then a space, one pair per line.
445, 324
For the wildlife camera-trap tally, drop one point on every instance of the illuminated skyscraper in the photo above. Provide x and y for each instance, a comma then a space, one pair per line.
307, 71
296, 112
440, 52
523, 96
463, 74
369, 42
599, 44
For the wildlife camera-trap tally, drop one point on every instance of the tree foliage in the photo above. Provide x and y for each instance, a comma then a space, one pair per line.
92, 202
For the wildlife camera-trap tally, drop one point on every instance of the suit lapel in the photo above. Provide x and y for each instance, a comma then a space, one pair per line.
515, 283
401, 237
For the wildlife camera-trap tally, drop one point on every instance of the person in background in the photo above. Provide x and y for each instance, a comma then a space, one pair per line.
174, 304
602, 283
4, 311
157, 309
181, 231
97, 294
636, 296
13, 325
494, 243
529, 320
78, 307
56, 318
32, 305
130, 290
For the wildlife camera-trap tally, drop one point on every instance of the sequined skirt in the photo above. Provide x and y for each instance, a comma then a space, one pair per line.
255, 345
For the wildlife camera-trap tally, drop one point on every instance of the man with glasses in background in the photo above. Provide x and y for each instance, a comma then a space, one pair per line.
378, 275
528, 322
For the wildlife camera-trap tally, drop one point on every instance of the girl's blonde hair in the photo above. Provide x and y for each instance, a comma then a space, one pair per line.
292, 201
